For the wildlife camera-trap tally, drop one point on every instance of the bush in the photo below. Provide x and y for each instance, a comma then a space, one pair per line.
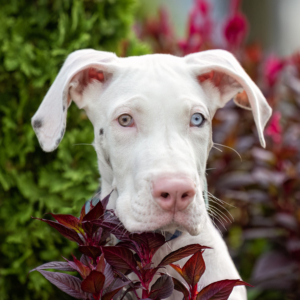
35, 38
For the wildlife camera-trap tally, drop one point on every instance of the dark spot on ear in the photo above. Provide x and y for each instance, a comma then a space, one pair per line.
64, 107
101, 131
37, 124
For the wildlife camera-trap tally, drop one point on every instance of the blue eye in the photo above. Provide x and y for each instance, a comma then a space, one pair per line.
197, 119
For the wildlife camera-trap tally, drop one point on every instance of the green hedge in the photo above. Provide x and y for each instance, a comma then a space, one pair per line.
35, 38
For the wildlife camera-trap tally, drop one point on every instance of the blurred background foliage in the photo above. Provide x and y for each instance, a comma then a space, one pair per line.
261, 192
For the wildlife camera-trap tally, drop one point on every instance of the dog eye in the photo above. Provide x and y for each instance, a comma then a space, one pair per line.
197, 119
125, 120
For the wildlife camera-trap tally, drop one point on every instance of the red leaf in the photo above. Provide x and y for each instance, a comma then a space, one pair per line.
65, 231
91, 251
95, 213
181, 253
90, 228
194, 269
179, 286
67, 283
149, 274
179, 271
101, 264
120, 258
68, 221
56, 265
162, 288
83, 270
93, 283
219, 290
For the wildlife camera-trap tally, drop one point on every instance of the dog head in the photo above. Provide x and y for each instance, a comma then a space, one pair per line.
152, 120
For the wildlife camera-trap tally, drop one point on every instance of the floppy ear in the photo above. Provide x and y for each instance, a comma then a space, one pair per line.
223, 71
80, 68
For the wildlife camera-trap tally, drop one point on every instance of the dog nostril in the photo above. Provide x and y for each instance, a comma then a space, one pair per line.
164, 195
184, 195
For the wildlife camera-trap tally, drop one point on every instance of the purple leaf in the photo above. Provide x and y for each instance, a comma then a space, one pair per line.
194, 269
114, 226
179, 286
120, 258
219, 290
93, 283
109, 276
162, 288
148, 241
57, 265
82, 213
67, 283
109, 295
85, 260
90, 251
65, 231
181, 253
105, 200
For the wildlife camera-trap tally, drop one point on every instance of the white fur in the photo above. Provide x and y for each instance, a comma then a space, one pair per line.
161, 93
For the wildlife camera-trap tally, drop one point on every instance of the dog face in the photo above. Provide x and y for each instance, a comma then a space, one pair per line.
152, 123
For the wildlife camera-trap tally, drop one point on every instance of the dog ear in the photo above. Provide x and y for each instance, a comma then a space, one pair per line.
80, 68
221, 69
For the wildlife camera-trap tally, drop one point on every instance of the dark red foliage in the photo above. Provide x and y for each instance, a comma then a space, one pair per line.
104, 269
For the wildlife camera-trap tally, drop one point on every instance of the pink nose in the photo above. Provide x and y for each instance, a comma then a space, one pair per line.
173, 193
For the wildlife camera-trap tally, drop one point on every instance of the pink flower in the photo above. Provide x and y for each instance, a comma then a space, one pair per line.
236, 29
272, 69
274, 130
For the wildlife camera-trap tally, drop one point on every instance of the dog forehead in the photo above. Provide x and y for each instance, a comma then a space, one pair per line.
160, 78
153, 60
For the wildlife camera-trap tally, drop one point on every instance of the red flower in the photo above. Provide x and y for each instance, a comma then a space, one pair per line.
274, 130
272, 69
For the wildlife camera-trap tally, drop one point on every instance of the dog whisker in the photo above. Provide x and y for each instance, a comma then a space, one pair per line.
219, 200
230, 149
219, 220
221, 215
216, 204
217, 148
213, 217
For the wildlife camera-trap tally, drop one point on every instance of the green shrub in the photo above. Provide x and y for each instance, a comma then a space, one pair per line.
35, 38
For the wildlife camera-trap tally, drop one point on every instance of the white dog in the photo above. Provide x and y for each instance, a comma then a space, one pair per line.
152, 119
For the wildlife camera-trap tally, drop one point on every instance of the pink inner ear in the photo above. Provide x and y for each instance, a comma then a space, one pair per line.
95, 75
213, 76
